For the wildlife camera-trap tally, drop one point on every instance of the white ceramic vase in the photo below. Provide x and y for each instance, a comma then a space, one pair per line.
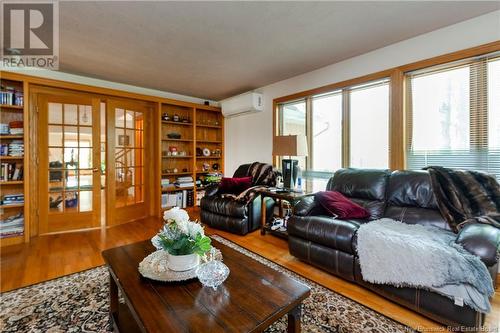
183, 262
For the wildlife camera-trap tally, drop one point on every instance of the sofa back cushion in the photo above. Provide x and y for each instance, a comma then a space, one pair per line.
366, 187
262, 173
410, 199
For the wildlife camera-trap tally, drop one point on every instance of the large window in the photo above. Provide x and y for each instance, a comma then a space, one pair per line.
358, 113
293, 117
327, 132
454, 116
369, 126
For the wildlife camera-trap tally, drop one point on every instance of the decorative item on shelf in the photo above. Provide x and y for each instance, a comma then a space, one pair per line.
216, 123
174, 135
206, 103
176, 117
165, 117
206, 152
173, 150
183, 240
199, 151
175, 170
185, 170
206, 166
182, 153
215, 166
185, 120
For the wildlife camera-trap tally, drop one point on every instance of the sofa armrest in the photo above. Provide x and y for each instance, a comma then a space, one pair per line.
304, 206
482, 240
211, 189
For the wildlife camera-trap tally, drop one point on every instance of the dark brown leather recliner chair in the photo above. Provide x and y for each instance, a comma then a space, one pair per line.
237, 217
407, 196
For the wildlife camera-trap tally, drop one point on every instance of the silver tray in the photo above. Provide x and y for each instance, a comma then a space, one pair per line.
155, 267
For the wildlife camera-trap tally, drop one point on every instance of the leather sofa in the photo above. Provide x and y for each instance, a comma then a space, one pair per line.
227, 214
330, 243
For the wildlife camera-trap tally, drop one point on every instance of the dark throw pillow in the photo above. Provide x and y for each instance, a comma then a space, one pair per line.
234, 185
338, 205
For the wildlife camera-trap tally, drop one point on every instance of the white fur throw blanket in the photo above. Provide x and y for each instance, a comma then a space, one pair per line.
399, 254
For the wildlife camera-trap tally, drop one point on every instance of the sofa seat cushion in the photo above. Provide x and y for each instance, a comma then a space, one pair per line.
416, 215
324, 230
235, 225
226, 206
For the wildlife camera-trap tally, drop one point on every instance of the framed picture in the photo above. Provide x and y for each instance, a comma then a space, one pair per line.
123, 140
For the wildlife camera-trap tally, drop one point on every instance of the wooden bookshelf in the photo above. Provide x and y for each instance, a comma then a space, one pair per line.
11, 158
12, 240
13, 107
11, 137
11, 206
202, 128
181, 120
209, 134
10, 113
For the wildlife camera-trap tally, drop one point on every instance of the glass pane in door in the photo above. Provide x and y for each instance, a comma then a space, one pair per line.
70, 151
129, 157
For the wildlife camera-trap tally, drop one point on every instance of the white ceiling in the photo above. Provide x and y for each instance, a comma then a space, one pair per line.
215, 50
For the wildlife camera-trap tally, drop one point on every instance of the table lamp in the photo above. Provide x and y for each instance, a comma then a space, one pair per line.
290, 145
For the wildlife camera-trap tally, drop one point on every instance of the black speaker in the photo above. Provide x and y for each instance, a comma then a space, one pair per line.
290, 173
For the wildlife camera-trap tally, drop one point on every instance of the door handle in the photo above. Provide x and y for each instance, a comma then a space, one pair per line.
95, 170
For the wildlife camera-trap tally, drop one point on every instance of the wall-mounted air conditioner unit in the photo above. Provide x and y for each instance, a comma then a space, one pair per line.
245, 103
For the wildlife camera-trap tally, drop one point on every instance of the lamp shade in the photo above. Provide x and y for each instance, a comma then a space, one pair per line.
290, 145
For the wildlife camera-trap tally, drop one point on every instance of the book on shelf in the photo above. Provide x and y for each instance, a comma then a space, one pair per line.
11, 172
184, 182
181, 199
12, 225
11, 97
12, 199
184, 185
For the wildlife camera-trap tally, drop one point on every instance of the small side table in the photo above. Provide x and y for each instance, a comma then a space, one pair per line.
279, 196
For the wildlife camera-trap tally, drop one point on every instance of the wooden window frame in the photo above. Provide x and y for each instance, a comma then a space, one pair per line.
398, 108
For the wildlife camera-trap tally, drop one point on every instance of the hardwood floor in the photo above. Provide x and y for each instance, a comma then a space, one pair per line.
51, 256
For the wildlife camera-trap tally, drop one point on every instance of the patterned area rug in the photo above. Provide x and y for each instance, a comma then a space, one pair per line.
79, 303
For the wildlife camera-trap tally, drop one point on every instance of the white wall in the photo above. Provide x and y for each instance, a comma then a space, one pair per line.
56, 75
249, 137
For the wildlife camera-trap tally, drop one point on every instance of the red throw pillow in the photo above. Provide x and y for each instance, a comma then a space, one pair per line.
234, 185
338, 205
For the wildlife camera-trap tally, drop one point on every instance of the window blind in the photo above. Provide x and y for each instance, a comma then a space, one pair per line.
453, 115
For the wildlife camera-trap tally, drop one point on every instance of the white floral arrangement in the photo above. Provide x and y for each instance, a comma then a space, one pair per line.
180, 236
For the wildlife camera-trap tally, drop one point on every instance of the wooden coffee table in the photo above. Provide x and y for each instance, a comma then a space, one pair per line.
252, 298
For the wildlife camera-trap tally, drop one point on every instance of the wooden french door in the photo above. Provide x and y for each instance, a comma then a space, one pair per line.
128, 161
69, 162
